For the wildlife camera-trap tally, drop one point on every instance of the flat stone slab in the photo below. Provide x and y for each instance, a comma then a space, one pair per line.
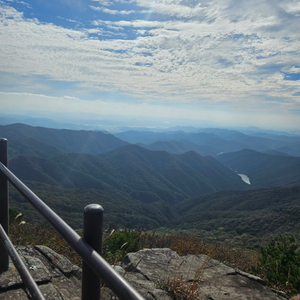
149, 271
49, 290
38, 271
56, 276
215, 280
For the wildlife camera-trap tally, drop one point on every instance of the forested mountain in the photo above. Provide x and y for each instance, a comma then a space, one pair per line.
249, 216
120, 210
145, 175
174, 189
202, 138
278, 136
179, 147
263, 170
211, 139
46, 142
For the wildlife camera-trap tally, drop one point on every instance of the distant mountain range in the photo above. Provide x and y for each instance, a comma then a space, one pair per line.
179, 147
176, 180
212, 141
145, 175
46, 142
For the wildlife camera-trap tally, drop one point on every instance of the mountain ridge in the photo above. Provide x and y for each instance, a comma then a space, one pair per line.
263, 170
57, 140
132, 169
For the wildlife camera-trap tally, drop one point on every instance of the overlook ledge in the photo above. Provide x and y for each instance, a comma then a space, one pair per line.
147, 270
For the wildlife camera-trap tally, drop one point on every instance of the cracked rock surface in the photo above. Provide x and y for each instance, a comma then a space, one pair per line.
146, 270
56, 276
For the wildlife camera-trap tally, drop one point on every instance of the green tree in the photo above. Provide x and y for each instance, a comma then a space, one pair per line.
280, 264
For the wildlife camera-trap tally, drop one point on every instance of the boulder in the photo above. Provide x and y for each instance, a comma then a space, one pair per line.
153, 272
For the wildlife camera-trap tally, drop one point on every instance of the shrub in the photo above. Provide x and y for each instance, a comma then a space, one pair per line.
280, 264
119, 243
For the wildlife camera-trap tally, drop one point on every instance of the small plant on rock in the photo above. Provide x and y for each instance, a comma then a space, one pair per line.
181, 289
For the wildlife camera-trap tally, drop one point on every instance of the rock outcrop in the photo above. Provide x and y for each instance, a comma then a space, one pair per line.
148, 270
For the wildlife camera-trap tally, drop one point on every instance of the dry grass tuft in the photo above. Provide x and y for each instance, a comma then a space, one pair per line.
183, 244
180, 289
42, 235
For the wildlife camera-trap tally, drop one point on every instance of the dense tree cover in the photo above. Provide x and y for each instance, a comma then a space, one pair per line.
263, 170
145, 175
120, 210
245, 218
47, 142
139, 188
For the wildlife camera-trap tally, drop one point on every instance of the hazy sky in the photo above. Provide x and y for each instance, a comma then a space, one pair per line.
220, 60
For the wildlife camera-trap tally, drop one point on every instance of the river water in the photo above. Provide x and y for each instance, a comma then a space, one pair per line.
245, 178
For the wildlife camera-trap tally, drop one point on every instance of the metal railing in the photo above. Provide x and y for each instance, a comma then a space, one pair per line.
89, 247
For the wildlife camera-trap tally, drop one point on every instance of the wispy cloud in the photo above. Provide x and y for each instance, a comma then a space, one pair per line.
69, 20
104, 2
118, 12
227, 53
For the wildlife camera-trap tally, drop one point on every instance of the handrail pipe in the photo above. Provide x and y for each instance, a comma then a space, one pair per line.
90, 256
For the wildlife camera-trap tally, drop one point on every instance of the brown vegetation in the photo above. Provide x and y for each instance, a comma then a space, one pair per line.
27, 234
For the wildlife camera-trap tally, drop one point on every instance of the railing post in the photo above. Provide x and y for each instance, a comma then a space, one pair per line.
4, 210
92, 234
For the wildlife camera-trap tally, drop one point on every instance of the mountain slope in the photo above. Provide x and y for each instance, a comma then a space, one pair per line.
263, 170
46, 142
119, 208
179, 147
146, 175
202, 138
260, 144
256, 213
217, 140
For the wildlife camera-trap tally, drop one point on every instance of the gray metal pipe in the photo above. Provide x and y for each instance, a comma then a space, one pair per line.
93, 259
4, 203
20, 266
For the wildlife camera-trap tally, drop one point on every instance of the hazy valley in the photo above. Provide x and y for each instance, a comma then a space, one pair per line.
176, 180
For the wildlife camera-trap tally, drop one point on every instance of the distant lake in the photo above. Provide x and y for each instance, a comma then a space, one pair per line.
245, 178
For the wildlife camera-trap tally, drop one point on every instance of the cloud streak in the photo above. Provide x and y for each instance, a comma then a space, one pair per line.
229, 53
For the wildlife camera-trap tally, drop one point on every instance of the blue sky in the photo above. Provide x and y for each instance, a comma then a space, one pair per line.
235, 62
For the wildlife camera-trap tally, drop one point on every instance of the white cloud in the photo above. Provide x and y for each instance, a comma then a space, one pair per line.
292, 7
171, 8
69, 20
231, 56
117, 12
104, 2
27, 102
